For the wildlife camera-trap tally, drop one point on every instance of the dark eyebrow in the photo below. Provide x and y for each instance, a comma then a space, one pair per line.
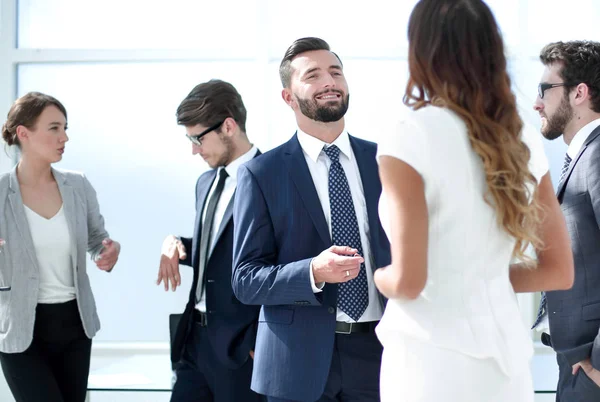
310, 70
331, 67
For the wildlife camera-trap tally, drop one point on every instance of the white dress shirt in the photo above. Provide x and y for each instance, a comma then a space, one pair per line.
226, 195
580, 138
318, 165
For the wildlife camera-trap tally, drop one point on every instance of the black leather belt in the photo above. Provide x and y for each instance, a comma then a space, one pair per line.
355, 327
200, 318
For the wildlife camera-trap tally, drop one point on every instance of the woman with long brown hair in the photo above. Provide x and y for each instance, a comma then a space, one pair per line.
465, 191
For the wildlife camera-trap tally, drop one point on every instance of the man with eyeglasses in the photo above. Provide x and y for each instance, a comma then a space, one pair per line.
569, 106
212, 348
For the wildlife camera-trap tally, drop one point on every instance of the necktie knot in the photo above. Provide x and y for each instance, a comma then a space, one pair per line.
333, 152
223, 174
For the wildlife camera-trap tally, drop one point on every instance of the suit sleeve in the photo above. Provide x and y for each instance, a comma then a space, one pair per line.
256, 278
593, 180
187, 243
95, 221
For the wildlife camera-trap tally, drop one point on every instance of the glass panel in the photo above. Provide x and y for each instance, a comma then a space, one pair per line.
504, 12
123, 135
350, 28
209, 26
557, 20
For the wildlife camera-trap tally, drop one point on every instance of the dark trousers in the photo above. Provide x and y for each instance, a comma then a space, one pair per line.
574, 388
201, 377
354, 372
56, 365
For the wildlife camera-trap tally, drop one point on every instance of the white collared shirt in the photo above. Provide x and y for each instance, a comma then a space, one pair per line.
226, 195
580, 138
318, 165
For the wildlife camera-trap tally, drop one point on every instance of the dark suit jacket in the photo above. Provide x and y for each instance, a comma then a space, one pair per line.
279, 228
231, 325
574, 314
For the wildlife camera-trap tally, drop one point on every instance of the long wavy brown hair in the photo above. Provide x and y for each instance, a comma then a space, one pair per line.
456, 60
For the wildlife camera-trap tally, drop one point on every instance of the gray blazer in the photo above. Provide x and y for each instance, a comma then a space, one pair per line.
19, 269
574, 314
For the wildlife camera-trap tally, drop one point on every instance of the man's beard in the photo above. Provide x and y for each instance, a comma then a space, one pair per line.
326, 113
555, 124
225, 157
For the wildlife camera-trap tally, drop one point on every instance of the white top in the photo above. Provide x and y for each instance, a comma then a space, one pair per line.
318, 165
52, 243
468, 304
580, 137
226, 195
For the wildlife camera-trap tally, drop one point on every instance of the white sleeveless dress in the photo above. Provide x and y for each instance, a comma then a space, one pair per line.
463, 338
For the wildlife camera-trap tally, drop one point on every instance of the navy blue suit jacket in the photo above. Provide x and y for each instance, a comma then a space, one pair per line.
231, 324
279, 228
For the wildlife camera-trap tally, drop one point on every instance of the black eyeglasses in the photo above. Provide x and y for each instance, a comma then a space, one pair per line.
196, 139
544, 86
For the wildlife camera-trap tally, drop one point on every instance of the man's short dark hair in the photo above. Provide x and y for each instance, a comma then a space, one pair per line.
580, 61
210, 103
298, 47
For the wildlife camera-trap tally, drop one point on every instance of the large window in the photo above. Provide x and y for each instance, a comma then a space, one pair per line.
121, 67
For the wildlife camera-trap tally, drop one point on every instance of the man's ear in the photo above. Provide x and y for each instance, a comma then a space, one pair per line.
229, 126
288, 97
582, 92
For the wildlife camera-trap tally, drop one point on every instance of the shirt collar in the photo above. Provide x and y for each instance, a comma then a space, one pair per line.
233, 166
313, 146
580, 138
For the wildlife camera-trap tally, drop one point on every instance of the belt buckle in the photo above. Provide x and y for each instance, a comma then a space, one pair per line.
349, 329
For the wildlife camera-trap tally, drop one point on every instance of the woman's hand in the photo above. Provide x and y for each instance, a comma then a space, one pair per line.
107, 259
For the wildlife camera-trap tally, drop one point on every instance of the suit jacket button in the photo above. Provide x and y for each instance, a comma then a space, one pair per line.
331, 310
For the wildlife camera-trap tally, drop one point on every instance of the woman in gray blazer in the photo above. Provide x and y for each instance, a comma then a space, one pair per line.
49, 218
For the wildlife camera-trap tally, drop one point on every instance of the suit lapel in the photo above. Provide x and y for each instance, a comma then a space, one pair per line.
68, 198
201, 198
18, 210
227, 216
367, 166
561, 187
298, 170
369, 176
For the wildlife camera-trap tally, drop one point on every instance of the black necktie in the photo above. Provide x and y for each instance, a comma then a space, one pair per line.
205, 235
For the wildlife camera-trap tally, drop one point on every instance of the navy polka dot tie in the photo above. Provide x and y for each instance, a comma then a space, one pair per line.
353, 296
